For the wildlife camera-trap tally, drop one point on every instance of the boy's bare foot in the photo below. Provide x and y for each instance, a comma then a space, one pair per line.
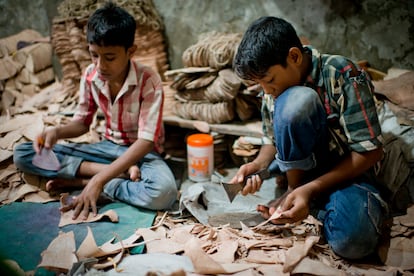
134, 173
60, 183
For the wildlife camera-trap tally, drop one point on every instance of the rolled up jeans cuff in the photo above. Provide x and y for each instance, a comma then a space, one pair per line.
69, 166
304, 164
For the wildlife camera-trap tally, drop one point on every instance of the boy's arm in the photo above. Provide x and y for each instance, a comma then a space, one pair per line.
87, 199
71, 130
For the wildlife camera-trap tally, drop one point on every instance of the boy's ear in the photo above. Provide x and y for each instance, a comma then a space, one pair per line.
131, 50
295, 55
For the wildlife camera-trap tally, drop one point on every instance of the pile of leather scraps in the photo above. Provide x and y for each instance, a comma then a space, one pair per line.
20, 187
17, 186
69, 40
25, 67
207, 89
69, 43
398, 251
265, 250
61, 255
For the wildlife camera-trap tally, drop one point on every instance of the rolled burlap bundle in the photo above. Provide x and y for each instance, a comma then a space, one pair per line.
10, 42
211, 113
213, 49
35, 57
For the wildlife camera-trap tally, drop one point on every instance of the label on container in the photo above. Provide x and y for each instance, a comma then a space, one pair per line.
200, 163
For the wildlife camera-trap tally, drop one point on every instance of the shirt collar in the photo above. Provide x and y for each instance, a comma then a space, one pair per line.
313, 78
132, 79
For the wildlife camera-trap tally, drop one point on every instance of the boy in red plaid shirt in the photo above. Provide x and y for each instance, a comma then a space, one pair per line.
127, 164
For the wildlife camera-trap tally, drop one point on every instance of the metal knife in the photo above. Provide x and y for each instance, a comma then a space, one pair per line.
233, 189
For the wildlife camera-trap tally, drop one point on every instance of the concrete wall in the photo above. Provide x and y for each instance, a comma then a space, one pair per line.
16, 15
379, 31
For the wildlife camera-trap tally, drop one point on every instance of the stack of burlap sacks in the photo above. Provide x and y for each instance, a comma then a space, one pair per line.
25, 68
207, 88
69, 39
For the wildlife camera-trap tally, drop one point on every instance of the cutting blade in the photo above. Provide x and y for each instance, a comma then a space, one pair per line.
233, 189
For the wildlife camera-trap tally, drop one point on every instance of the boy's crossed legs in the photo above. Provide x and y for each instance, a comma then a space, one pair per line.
149, 184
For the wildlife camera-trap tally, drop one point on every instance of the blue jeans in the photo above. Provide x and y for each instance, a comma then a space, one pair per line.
155, 190
352, 220
352, 215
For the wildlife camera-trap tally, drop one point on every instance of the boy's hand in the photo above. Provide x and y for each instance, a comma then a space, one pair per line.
253, 183
86, 201
39, 143
46, 140
293, 206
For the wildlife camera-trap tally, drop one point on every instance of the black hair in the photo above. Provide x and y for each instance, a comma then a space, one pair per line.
111, 25
265, 43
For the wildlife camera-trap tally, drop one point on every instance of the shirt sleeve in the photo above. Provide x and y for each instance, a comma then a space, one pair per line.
86, 107
150, 119
353, 93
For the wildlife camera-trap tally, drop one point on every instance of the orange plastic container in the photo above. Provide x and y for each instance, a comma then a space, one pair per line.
200, 157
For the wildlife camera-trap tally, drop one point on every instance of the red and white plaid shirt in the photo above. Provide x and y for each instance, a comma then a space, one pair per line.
136, 112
